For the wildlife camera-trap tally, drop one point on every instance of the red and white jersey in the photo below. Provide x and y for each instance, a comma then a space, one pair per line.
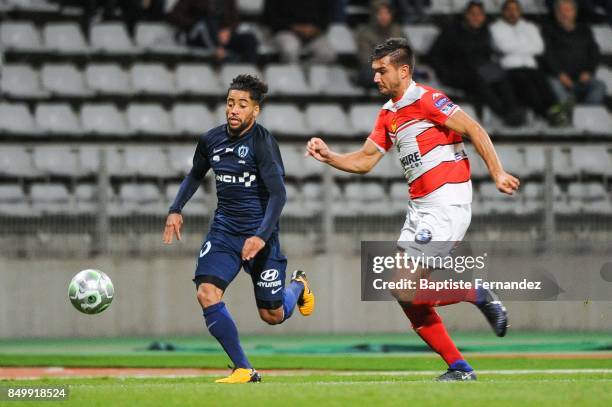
432, 155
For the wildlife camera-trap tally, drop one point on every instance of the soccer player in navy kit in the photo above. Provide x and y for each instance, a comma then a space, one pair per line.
244, 233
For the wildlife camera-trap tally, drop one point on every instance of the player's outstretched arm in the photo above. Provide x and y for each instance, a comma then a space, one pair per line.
359, 162
174, 222
464, 124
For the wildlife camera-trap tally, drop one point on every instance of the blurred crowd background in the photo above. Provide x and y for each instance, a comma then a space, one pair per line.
103, 101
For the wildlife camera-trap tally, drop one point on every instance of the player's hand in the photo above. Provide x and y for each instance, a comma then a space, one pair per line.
506, 183
251, 247
318, 149
174, 221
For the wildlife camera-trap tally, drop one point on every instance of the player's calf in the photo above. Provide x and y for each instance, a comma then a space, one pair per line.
272, 316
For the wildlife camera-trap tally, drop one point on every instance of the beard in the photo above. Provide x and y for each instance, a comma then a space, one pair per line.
235, 131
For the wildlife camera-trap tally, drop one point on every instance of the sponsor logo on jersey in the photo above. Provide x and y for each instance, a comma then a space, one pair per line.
411, 161
243, 151
247, 178
441, 102
448, 108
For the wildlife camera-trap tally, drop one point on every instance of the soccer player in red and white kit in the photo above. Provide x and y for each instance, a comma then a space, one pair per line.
426, 128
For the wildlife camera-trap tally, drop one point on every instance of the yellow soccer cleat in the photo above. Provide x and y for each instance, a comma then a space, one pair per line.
306, 302
241, 375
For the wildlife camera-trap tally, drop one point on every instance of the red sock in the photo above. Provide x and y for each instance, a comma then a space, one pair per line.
428, 325
444, 297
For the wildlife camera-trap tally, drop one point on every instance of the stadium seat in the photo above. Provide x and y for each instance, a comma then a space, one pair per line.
314, 198
104, 119
108, 79
495, 202
534, 160
440, 7
230, 71
141, 198
158, 37
592, 160
152, 78
363, 116
284, 119
341, 39
195, 206
56, 160
149, 118
35, 6
293, 206
421, 37
16, 161
16, 118
332, 80
327, 119
111, 38
13, 201
399, 196
192, 118
64, 80
589, 197
292, 161
287, 79
181, 159
602, 34
146, 161
250, 7
20, 35
21, 80
365, 198
388, 167
563, 162
64, 38
86, 198
50, 199
604, 73
512, 159
57, 118
89, 161
197, 79
593, 119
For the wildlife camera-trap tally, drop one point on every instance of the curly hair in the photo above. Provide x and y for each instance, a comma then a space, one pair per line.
398, 49
252, 84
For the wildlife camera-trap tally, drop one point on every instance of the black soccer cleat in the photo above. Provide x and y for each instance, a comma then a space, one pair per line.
495, 313
456, 376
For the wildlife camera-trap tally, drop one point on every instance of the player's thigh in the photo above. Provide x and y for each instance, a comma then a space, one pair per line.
218, 261
267, 272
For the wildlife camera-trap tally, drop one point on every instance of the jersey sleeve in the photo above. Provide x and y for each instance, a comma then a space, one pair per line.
379, 134
201, 164
438, 107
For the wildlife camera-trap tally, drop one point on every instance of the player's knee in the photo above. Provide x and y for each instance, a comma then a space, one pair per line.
272, 317
208, 295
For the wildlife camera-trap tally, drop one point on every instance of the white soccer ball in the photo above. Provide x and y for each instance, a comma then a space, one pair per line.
91, 291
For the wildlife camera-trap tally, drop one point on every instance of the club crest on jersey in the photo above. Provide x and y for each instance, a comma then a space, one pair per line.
393, 125
243, 151
423, 236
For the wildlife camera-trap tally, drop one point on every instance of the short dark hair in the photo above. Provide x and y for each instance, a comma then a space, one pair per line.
399, 51
256, 87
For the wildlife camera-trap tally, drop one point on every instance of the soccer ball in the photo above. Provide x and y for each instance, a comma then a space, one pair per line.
91, 291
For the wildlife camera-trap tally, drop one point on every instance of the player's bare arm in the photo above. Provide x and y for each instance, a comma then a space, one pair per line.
462, 123
359, 162
174, 222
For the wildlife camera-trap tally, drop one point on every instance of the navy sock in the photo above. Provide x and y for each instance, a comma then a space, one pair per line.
481, 296
290, 297
461, 365
221, 325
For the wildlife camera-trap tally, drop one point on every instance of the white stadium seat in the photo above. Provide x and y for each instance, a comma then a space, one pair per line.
21, 80
86, 197
57, 118
192, 118
593, 160
108, 78
293, 207
314, 197
603, 37
56, 160
327, 119
399, 197
149, 118
157, 37
16, 161
230, 71
250, 7
287, 79
141, 198
112, 38
20, 35
65, 38
365, 198
512, 159
13, 201
605, 74
421, 37
195, 206
292, 161
65, 80
197, 79
152, 78
341, 39
16, 118
146, 161
363, 116
104, 119
496, 202
89, 160
593, 119
284, 119
50, 198
181, 159
332, 80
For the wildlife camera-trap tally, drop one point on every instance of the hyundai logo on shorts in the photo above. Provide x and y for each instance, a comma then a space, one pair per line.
269, 275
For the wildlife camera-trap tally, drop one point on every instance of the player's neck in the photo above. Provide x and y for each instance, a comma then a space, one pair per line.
401, 90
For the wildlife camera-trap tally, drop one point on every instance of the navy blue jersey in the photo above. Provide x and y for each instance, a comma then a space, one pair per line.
249, 178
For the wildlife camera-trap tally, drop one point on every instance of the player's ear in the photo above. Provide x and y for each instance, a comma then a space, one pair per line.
256, 110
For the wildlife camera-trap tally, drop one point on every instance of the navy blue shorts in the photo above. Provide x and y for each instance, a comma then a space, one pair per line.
219, 262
